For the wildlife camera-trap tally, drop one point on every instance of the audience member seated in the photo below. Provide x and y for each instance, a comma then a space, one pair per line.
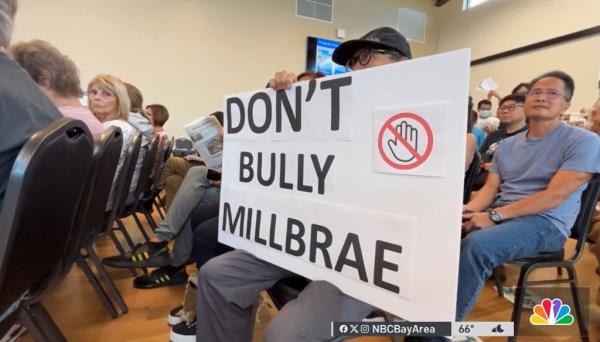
140, 122
229, 285
531, 198
176, 168
205, 247
158, 115
520, 89
108, 100
57, 77
486, 121
512, 118
24, 109
477, 132
137, 116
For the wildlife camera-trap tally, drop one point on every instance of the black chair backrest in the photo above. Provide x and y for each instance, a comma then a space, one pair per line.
159, 162
43, 196
183, 147
106, 154
144, 180
122, 189
470, 176
169, 149
122, 182
589, 199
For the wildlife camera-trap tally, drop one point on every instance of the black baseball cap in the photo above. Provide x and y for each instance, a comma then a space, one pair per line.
380, 38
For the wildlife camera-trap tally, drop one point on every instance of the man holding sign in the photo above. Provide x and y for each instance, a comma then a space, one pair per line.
230, 284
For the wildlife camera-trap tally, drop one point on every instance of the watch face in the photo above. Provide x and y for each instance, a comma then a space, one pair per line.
495, 216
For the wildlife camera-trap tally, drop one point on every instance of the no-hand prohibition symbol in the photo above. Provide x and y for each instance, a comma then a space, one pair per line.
408, 143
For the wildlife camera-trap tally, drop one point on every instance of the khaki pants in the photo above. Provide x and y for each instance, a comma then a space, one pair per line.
172, 175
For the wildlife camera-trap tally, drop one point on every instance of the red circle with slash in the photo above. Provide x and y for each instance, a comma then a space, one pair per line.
420, 158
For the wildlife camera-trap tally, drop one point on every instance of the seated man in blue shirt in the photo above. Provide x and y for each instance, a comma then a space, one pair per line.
531, 198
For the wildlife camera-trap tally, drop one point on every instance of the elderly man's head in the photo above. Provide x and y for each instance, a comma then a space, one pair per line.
8, 8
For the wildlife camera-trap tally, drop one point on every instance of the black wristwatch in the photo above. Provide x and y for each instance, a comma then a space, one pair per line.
495, 216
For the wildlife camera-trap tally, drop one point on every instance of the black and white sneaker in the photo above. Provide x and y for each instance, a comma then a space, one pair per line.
183, 332
175, 316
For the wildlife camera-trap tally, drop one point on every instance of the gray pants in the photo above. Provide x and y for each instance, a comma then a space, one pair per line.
193, 191
228, 289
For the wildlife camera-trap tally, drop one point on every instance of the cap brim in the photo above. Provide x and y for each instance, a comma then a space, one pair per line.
346, 50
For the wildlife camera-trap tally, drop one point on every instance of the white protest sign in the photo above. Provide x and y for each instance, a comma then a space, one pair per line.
355, 179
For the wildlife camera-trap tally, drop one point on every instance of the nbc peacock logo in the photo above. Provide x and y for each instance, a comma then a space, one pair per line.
551, 312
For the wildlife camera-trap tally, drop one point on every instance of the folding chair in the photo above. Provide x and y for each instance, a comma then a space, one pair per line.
106, 155
38, 220
121, 192
579, 232
144, 185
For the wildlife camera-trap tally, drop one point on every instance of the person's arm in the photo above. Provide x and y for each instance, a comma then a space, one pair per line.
486, 195
493, 93
562, 185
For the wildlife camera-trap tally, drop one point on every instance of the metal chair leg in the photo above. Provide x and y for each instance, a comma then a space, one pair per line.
583, 330
159, 208
96, 285
519, 298
125, 233
141, 227
38, 314
151, 222
32, 326
110, 285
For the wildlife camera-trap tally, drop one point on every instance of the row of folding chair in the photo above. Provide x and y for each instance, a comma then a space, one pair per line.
110, 222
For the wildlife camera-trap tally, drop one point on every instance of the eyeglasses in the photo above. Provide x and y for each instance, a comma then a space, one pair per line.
509, 108
549, 93
365, 57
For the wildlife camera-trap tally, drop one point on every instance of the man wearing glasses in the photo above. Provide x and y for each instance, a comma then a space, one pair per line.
229, 285
512, 118
530, 200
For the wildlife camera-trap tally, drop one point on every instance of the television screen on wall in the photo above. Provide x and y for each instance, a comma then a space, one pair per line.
318, 56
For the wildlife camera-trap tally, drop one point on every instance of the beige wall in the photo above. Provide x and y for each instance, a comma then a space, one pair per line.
188, 54
501, 25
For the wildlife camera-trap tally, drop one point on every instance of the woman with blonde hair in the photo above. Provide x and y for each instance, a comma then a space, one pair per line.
108, 100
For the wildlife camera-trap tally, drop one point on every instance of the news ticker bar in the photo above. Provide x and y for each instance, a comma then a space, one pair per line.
425, 329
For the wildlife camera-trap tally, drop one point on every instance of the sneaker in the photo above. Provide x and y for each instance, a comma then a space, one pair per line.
149, 254
183, 332
161, 277
374, 316
175, 314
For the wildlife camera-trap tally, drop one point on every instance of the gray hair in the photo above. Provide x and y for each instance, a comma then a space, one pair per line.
8, 8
